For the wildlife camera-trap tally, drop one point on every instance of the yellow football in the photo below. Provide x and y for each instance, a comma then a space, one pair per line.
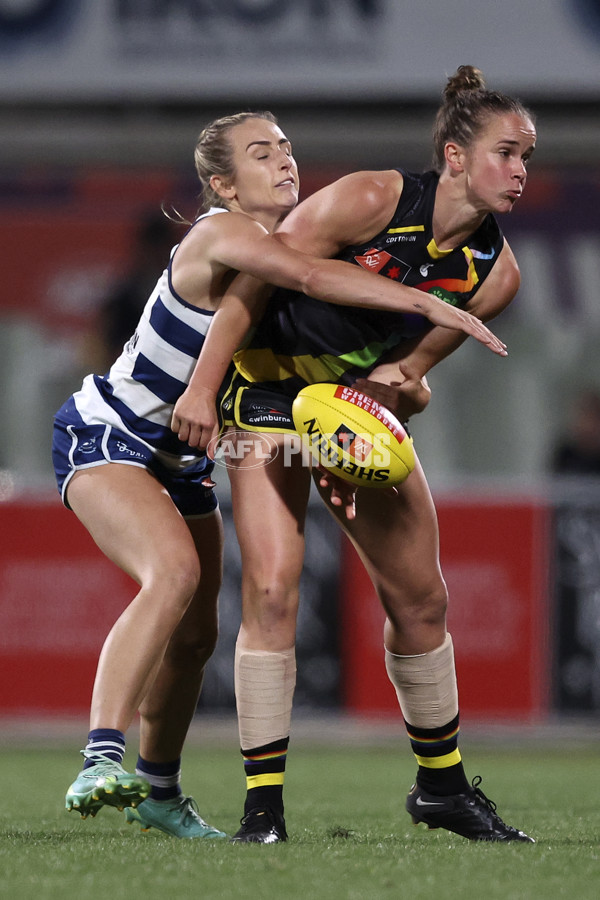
353, 435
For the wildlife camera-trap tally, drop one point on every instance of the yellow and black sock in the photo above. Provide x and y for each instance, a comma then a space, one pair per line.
265, 771
436, 750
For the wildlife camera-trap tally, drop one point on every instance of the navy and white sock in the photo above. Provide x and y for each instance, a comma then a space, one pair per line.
107, 742
164, 778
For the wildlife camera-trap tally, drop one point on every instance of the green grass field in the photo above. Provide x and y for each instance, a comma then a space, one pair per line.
350, 838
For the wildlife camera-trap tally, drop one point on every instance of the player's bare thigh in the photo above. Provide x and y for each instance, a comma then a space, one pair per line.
396, 537
269, 508
269, 497
132, 518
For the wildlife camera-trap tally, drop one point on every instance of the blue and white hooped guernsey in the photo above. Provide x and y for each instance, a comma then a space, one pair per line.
138, 393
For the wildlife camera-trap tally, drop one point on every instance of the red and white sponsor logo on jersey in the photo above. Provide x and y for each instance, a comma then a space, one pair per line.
373, 259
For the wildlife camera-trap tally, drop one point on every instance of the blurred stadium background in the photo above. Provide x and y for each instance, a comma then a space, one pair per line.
100, 106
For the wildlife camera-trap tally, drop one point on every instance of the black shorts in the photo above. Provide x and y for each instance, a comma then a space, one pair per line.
260, 407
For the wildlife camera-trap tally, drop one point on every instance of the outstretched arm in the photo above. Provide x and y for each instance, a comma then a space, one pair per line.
235, 242
241, 244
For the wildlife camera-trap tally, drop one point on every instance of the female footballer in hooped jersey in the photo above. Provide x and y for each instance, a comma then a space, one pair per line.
437, 232
148, 500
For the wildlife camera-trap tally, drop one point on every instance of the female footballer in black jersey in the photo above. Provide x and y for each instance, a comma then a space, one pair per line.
436, 232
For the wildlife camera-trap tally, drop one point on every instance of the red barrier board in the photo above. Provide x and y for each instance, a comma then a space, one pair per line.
494, 560
58, 599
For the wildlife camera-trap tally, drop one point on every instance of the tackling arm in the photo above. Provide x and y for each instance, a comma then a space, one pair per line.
195, 417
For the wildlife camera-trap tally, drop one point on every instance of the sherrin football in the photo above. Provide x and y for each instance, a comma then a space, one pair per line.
353, 435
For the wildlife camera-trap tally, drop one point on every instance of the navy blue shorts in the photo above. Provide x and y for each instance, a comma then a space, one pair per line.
76, 447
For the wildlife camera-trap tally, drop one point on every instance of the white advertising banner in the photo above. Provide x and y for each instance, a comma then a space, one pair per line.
304, 50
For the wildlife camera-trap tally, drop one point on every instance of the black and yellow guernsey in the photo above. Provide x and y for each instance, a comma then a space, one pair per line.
302, 341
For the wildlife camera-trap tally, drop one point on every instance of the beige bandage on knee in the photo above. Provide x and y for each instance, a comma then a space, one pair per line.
425, 685
264, 691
